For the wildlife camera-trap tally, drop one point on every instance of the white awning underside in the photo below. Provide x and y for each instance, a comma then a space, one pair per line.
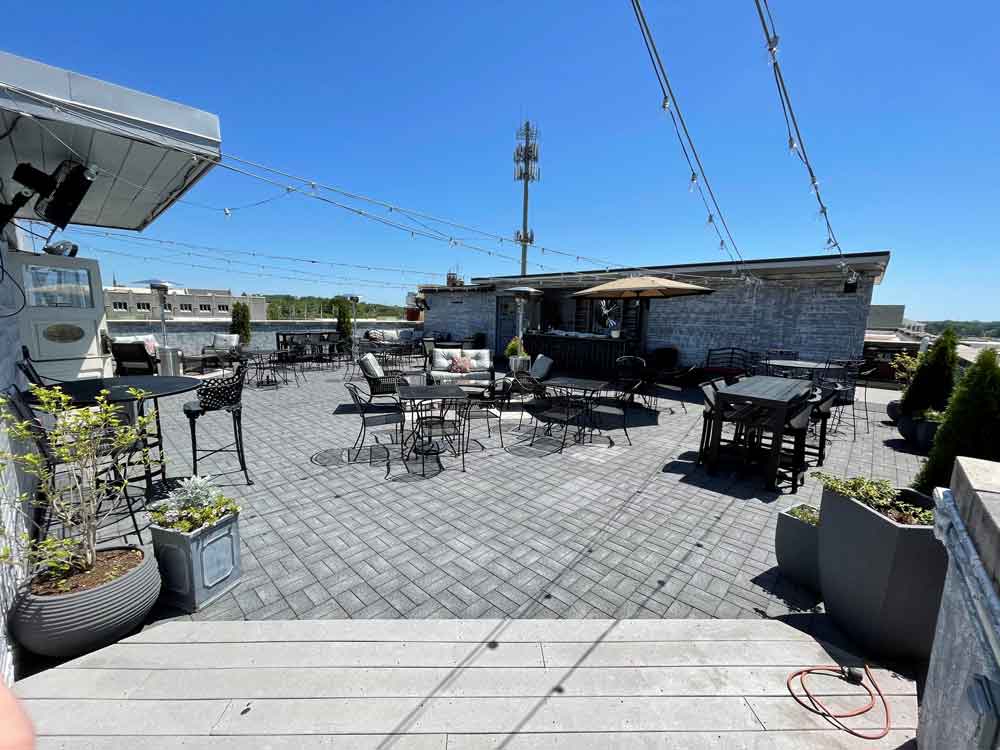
149, 151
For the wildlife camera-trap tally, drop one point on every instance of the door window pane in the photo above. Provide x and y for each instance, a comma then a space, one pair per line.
48, 286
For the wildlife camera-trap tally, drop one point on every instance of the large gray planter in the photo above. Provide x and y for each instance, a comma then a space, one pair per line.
925, 432
881, 581
67, 625
893, 409
519, 364
796, 547
200, 566
907, 427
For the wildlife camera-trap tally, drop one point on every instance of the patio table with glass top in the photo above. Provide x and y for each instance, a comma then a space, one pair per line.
777, 396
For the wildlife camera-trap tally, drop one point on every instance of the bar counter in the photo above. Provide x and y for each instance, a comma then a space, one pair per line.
580, 355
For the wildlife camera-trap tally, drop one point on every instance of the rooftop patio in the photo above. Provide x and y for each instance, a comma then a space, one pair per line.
602, 530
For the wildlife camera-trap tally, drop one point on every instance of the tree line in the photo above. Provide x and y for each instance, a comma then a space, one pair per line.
980, 328
290, 307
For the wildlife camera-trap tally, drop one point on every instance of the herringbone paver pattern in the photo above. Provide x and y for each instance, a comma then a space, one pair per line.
600, 530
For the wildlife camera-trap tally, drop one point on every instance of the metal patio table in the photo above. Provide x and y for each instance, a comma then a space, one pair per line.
85, 392
589, 390
801, 364
778, 396
416, 394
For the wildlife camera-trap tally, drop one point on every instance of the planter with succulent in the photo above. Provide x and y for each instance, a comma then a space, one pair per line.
196, 536
796, 539
77, 594
518, 359
881, 570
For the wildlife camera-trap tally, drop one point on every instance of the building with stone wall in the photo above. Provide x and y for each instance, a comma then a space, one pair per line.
808, 304
139, 303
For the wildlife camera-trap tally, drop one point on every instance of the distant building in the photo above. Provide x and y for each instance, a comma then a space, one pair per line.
139, 303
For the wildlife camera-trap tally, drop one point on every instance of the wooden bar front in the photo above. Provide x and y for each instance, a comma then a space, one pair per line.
580, 355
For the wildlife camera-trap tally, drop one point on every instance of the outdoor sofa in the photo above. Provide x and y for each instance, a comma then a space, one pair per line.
441, 365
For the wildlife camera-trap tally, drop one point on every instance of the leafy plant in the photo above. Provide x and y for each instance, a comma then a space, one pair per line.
194, 503
879, 495
806, 513
934, 377
971, 425
903, 366
515, 349
93, 450
931, 415
345, 325
240, 321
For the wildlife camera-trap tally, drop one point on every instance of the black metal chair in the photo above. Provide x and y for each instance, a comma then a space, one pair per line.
562, 407
31, 374
441, 426
491, 403
796, 427
133, 358
629, 371
220, 394
778, 372
382, 382
845, 383
615, 408
820, 418
739, 416
375, 415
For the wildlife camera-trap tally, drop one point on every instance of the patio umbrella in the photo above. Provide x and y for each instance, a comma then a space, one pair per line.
642, 287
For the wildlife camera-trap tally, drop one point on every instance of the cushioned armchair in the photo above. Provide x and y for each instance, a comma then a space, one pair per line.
381, 382
446, 364
225, 347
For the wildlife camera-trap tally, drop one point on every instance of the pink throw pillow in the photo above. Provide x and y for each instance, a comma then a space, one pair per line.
460, 365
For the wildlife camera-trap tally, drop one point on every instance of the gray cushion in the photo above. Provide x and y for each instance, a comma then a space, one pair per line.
225, 340
370, 366
541, 367
444, 375
406, 334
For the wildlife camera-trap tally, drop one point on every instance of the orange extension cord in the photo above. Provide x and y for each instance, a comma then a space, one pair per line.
816, 705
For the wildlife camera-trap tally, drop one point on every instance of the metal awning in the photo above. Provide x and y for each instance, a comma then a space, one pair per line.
148, 151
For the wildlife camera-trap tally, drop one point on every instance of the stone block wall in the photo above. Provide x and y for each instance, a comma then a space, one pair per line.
462, 314
191, 336
814, 317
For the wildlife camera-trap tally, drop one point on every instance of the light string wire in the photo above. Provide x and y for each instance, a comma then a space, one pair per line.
313, 185
137, 239
330, 282
796, 143
699, 177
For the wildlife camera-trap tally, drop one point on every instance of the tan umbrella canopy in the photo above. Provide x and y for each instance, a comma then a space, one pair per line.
636, 287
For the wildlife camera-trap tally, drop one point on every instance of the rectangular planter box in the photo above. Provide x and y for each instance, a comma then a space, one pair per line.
881, 580
199, 567
796, 545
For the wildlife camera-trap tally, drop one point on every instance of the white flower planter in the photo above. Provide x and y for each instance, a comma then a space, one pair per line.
519, 364
198, 567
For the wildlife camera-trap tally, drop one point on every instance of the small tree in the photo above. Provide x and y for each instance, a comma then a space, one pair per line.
971, 425
240, 321
345, 325
934, 377
95, 448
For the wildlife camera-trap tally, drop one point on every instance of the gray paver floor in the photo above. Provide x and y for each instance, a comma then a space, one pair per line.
599, 531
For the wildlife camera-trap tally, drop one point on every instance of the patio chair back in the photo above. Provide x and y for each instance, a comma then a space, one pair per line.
541, 368
223, 393
708, 389
799, 421
27, 368
132, 358
629, 368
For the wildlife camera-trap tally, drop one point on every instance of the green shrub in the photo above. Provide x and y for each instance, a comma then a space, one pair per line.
515, 349
806, 513
879, 495
345, 324
934, 377
971, 424
240, 321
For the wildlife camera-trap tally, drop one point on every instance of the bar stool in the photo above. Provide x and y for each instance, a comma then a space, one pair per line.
220, 394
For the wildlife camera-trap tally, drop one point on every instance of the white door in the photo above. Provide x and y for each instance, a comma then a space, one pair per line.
62, 321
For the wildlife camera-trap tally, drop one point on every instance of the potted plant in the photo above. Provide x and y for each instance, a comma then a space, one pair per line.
796, 539
925, 427
881, 570
903, 366
196, 537
517, 358
931, 386
971, 424
76, 595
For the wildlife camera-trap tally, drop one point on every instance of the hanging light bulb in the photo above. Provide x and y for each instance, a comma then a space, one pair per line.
772, 44
711, 219
694, 182
793, 145
227, 212
666, 104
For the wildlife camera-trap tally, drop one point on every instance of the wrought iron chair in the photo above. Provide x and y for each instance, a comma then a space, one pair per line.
562, 407
220, 394
772, 354
27, 368
491, 403
375, 415
441, 426
615, 408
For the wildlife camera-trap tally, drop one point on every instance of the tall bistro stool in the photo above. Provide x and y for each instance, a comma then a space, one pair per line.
220, 394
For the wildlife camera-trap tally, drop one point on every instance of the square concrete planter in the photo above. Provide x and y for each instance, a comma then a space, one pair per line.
796, 545
519, 364
198, 567
881, 580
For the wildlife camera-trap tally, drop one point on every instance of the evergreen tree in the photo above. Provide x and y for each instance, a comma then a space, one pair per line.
934, 378
240, 321
971, 425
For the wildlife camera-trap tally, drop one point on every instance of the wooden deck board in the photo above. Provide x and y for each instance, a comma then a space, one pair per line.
454, 685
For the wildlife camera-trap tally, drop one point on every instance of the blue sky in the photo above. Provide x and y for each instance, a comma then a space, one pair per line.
417, 103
